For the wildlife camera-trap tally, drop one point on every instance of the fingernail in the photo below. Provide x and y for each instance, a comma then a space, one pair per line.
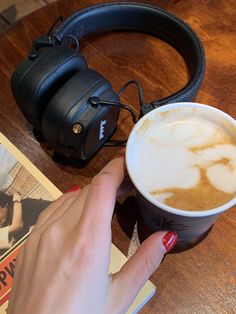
169, 240
74, 188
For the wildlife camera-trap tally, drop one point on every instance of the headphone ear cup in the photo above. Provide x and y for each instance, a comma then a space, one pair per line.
70, 104
34, 82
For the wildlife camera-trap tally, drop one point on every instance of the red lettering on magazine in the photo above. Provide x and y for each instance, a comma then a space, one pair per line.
7, 270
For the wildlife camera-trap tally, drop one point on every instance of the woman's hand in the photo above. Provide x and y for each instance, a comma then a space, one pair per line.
64, 265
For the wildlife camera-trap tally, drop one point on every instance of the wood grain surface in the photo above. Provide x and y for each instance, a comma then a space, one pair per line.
202, 279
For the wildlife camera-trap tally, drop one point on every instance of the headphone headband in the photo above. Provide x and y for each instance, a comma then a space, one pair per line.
147, 19
74, 108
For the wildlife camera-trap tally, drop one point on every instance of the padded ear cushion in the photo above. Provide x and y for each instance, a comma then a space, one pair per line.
34, 82
71, 100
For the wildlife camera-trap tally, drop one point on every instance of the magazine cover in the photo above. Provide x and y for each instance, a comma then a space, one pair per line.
24, 193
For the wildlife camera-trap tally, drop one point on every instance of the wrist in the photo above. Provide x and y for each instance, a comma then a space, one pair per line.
16, 197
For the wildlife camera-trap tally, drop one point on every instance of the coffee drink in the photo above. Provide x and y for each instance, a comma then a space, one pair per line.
186, 158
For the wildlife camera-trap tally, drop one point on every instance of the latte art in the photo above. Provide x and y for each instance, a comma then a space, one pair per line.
203, 196
187, 159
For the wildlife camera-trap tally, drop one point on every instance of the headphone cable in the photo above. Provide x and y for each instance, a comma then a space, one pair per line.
138, 85
54, 24
95, 101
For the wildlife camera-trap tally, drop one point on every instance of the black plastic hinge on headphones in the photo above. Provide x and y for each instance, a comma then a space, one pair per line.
41, 42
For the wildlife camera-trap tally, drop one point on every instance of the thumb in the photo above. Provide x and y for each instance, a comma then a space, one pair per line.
133, 275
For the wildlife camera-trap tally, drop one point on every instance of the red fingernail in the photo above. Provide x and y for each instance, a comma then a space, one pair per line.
169, 240
74, 188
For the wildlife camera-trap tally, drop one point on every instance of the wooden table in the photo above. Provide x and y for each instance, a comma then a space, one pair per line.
202, 279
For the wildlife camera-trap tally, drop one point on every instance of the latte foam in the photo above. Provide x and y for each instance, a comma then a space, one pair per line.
186, 158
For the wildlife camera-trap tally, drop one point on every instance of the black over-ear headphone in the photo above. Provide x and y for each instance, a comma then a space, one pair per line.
75, 107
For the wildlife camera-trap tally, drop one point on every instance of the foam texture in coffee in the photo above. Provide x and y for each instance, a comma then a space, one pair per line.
186, 158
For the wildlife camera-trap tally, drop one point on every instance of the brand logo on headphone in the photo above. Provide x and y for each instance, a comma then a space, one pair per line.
101, 132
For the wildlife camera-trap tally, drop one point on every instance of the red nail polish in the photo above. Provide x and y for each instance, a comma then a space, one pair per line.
74, 188
169, 240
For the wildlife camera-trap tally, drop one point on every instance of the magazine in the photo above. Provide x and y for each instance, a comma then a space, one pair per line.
21, 180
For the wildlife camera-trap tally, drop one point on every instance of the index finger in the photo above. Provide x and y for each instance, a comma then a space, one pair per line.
101, 197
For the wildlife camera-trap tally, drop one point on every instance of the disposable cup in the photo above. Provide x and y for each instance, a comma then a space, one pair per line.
168, 151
